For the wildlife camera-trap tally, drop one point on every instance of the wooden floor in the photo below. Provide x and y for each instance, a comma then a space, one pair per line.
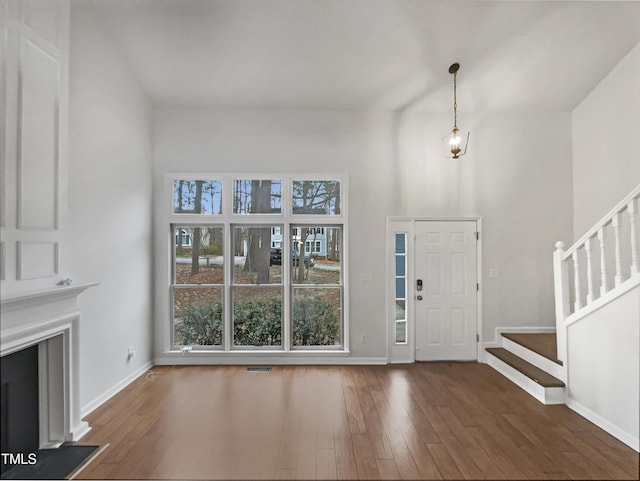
418, 421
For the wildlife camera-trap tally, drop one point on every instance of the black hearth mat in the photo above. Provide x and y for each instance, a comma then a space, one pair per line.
50, 463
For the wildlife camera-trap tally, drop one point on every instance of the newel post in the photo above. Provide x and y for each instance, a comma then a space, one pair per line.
561, 290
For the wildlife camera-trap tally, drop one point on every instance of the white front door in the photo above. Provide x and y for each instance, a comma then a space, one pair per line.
446, 313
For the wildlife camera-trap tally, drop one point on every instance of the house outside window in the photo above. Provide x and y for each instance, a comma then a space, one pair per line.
183, 238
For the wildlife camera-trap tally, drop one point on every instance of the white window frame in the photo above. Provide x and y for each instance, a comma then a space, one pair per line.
228, 220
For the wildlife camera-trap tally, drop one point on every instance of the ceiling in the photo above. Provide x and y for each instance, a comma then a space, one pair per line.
370, 54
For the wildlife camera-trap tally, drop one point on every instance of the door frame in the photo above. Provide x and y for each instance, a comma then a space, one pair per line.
406, 352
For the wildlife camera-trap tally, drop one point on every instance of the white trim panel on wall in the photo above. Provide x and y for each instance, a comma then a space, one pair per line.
38, 138
3, 117
37, 260
34, 50
45, 19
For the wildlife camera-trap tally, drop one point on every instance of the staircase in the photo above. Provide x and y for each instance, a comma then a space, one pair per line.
530, 361
594, 349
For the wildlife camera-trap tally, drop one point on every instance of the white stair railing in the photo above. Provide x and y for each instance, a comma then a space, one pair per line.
613, 238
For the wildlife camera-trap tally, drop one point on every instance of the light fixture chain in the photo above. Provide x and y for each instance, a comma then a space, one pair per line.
455, 102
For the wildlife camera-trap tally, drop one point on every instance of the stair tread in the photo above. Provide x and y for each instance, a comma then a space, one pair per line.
542, 343
526, 368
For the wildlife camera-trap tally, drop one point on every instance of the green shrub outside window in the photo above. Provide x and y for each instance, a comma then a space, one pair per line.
257, 322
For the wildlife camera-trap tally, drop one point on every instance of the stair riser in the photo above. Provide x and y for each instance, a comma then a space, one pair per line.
534, 358
549, 395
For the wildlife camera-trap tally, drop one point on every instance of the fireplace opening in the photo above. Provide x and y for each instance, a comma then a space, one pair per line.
20, 403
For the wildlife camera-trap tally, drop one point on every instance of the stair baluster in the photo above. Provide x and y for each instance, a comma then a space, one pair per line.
604, 285
587, 249
576, 280
616, 232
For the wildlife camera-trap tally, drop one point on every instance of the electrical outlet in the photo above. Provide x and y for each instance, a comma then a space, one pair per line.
364, 339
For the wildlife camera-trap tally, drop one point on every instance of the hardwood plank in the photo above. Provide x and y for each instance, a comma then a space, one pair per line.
326, 467
470, 460
498, 456
443, 461
354, 410
286, 474
365, 457
600, 460
388, 469
371, 417
613, 450
97, 471
512, 443
421, 455
346, 466
403, 460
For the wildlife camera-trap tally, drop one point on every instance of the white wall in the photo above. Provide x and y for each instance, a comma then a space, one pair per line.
603, 352
606, 155
518, 178
110, 208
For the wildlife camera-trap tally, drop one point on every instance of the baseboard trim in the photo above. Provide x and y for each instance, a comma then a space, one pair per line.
602, 423
79, 431
104, 397
522, 330
204, 360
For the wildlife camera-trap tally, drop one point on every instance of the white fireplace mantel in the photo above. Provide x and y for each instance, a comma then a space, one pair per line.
49, 318
13, 300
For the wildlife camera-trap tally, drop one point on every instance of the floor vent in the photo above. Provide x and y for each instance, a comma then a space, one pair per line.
258, 369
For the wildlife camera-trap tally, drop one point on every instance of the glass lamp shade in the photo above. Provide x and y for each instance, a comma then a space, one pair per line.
455, 144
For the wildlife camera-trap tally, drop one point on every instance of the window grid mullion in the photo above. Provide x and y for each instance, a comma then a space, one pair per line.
228, 273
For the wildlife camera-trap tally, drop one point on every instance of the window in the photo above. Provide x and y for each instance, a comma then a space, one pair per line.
197, 286
317, 197
313, 247
257, 289
256, 196
401, 288
317, 286
197, 196
251, 272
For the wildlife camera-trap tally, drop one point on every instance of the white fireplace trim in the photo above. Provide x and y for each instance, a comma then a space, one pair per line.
49, 319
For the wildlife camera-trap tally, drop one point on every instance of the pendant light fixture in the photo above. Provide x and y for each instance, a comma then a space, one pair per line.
455, 144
